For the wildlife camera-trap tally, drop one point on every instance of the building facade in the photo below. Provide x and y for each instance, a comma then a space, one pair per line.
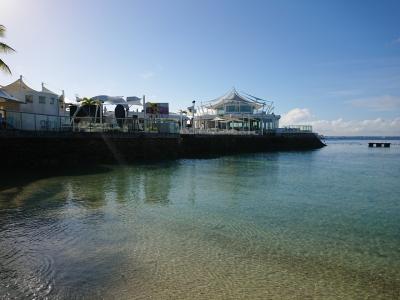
236, 112
32, 110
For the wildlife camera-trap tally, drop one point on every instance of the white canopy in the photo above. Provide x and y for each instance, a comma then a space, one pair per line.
133, 100
4, 97
110, 99
115, 100
233, 96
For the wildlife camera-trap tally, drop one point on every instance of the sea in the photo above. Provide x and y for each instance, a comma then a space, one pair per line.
321, 224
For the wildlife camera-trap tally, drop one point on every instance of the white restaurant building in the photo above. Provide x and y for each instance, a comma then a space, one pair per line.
236, 112
27, 109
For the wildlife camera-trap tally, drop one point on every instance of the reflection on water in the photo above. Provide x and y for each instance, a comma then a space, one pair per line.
156, 182
313, 224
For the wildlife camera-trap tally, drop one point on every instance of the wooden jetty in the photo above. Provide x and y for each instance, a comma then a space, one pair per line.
379, 145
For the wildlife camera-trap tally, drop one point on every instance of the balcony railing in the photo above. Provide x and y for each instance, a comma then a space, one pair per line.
212, 131
296, 128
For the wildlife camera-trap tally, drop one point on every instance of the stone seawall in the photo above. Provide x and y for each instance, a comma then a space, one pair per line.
38, 150
205, 145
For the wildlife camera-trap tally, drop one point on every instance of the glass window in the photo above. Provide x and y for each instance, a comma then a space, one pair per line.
42, 99
52, 99
245, 108
231, 108
29, 98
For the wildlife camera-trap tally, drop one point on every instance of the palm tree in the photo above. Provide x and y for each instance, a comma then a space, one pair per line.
4, 48
90, 103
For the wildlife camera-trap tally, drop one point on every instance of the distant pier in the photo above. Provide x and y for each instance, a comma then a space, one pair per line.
379, 145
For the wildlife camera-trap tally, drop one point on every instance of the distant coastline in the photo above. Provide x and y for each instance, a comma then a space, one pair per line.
362, 137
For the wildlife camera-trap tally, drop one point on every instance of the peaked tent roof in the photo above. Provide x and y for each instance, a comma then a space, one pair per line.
19, 84
46, 90
233, 96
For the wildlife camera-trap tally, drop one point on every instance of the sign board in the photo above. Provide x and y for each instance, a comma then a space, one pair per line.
157, 109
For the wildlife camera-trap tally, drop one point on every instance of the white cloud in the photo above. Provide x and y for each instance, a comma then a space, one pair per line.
381, 103
295, 116
378, 126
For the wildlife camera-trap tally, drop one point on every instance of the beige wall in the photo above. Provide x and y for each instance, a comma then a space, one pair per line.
47, 108
9, 105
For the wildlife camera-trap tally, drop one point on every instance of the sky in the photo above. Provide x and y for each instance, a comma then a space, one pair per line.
332, 64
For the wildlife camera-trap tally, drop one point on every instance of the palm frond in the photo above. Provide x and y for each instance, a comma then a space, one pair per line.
5, 48
4, 67
88, 101
2, 30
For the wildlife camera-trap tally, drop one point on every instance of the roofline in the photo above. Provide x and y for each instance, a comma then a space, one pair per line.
255, 102
20, 80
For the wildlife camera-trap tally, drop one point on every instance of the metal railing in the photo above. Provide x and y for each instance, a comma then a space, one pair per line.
12, 120
297, 128
112, 124
213, 131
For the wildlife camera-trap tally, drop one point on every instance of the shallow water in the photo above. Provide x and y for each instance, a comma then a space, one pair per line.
318, 224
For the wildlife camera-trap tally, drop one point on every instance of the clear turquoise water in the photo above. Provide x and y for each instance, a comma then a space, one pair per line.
320, 224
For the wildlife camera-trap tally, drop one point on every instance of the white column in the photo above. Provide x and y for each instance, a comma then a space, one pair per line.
193, 123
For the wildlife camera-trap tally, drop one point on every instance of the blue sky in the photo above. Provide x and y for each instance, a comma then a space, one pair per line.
327, 63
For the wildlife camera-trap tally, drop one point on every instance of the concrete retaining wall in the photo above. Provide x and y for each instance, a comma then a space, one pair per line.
38, 150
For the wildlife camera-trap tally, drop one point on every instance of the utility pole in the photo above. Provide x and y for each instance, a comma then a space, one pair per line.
193, 102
